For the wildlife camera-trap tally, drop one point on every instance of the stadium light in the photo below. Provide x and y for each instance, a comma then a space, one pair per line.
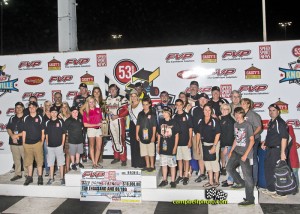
285, 25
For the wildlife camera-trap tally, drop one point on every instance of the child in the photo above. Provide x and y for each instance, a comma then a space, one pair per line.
145, 133
185, 141
167, 142
242, 154
74, 129
55, 139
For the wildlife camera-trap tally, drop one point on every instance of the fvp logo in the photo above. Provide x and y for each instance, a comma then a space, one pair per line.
30, 65
291, 74
294, 122
236, 55
64, 79
74, 63
6, 84
179, 57
254, 89
38, 95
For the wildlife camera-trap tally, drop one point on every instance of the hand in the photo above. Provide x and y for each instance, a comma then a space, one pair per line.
152, 140
137, 139
282, 156
244, 158
189, 144
263, 145
212, 150
14, 137
114, 117
174, 151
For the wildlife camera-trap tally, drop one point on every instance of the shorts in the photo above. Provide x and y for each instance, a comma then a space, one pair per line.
56, 153
167, 160
183, 153
213, 165
197, 156
33, 152
75, 148
147, 149
91, 132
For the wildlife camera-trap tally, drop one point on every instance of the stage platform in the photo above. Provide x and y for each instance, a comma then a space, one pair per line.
150, 191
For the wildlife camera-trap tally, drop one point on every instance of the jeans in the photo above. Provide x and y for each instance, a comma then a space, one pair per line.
295, 171
229, 178
255, 161
233, 163
45, 157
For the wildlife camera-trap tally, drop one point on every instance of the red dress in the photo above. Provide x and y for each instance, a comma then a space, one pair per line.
293, 155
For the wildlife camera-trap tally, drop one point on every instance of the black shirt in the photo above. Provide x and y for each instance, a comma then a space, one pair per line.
33, 126
216, 105
146, 121
55, 130
197, 114
167, 132
208, 131
74, 129
227, 130
15, 125
277, 129
79, 100
185, 123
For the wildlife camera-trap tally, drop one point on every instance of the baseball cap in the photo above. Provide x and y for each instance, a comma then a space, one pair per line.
73, 108
215, 88
53, 108
133, 91
167, 109
138, 84
19, 104
194, 83
203, 95
33, 103
82, 85
274, 106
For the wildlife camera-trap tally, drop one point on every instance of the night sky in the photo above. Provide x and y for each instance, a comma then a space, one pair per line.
31, 26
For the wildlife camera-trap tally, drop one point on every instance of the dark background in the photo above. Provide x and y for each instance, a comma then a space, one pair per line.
31, 26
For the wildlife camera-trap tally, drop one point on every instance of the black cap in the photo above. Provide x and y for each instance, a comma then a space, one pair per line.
138, 84
19, 104
74, 108
82, 85
204, 95
215, 88
194, 83
274, 106
167, 109
33, 103
53, 108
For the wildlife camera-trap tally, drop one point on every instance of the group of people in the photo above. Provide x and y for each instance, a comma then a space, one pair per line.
217, 135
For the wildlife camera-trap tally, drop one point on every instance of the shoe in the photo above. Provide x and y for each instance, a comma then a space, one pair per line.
62, 182
80, 165
40, 180
149, 169
94, 166
223, 171
226, 184
185, 181
46, 174
74, 167
115, 161
163, 183
50, 181
173, 184
267, 192
152, 169
144, 169
246, 203
216, 184
278, 196
12, 170
179, 179
237, 186
99, 166
208, 185
124, 163
28, 180
201, 177
15, 178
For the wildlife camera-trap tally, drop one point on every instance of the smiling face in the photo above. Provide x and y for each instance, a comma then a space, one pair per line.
194, 89
134, 98
207, 111
113, 91
164, 97
273, 112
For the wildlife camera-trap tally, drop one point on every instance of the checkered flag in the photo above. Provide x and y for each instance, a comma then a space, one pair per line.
210, 193
221, 195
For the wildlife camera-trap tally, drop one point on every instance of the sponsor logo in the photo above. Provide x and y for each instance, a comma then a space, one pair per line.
265, 124
209, 57
293, 122
206, 89
54, 65
291, 74
124, 70
236, 55
225, 90
33, 80
179, 57
298, 107
6, 84
253, 73
30, 65
296, 51
227, 73
257, 106
87, 79
10, 111
284, 107
61, 80
52, 94
38, 95
3, 127
71, 94
265, 52
187, 74
77, 63
258, 89
101, 60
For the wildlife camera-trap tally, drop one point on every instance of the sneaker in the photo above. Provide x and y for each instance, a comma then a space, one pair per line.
267, 192
80, 165
246, 203
278, 196
124, 163
15, 178
226, 184
40, 180
223, 171
62, 182
163, 183
201, 177
185, 181
173, 184
50, 181
46, 174
179, 179
28, 180
145, 169
74, 167
115, 161
237, 186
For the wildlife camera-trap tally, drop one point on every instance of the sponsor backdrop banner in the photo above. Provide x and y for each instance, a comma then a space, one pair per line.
264, 72
111, 185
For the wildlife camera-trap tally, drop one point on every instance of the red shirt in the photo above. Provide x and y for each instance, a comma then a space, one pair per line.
94, 117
